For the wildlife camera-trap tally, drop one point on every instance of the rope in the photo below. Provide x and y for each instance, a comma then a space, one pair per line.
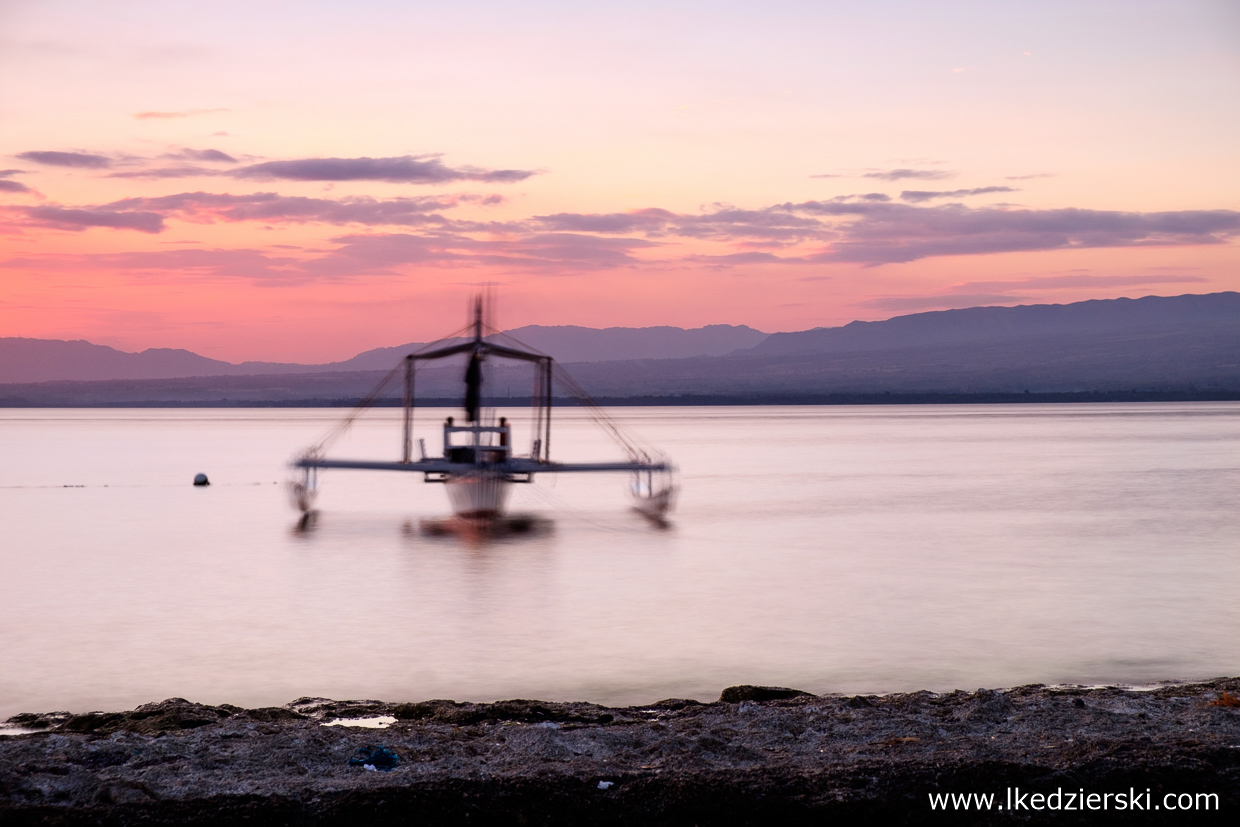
342, 427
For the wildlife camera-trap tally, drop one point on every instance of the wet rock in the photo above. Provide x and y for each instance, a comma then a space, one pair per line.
745, 692
986, 706
801, 759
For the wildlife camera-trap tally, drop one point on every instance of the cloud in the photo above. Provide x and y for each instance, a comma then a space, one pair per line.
144, 116
542, 252
203, 155
189, 263
651, 221
178, 171
80, 160
918, 196
891, 233
13, 186
724, 222
9, 173
902, 174
727, 261
873, 197
975, 293
827, 175
1028, 177
939, 302
61, 218
271, 207
1075, 280
405, 169
869, 229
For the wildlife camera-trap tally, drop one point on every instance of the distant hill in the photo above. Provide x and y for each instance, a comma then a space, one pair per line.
985, 325
50, 360
1160, 344
40, 360
570, 343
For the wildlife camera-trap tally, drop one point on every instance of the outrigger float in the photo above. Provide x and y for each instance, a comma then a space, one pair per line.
478, 464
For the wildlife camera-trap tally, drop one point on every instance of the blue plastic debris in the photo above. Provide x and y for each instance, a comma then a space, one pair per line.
375, 758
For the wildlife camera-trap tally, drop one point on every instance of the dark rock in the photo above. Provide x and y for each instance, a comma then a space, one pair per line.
986, 706
799, 760
745, 692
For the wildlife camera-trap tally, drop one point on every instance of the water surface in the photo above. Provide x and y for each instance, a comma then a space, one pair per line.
853, 549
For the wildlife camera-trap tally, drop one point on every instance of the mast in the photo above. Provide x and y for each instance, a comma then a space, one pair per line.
407, 453
473, 373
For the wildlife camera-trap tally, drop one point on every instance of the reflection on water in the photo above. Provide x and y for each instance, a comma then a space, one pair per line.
830, 549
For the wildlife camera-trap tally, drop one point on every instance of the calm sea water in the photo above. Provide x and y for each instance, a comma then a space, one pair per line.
845, 549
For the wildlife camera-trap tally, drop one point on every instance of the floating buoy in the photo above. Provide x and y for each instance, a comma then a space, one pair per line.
201, 479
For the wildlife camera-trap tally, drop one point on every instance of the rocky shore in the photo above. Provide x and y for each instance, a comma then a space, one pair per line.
759, 755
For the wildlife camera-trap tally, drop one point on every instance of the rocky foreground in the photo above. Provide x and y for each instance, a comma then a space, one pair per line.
758, 755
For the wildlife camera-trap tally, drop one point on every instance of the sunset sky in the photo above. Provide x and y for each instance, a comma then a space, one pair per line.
305, 180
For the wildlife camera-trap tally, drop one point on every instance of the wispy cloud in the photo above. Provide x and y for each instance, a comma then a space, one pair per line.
271, 207
203, 155
174, 171
974, 293
1028, 177
890, 233
867, 228
939, 302
549, 253
724, 222
192, 169
13, 186
903, 174
405, 169
918, 196
145, 116
79, 160
61, 218
185, 264
381, 254
1074, 280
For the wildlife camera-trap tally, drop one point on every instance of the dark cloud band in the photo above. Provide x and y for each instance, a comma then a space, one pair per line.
918, 196
80, 160
903, 174
406, 169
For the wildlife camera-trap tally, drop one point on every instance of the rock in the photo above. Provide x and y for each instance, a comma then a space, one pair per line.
800, 760
987, 706
745, 692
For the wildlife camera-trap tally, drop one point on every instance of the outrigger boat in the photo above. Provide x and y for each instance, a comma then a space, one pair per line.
478, 464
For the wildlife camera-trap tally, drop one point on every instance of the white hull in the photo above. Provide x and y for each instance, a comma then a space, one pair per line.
477, 496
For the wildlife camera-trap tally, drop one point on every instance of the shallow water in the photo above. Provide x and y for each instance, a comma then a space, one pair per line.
848, 549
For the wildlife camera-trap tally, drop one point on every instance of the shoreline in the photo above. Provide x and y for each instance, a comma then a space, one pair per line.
90, 401
757, 755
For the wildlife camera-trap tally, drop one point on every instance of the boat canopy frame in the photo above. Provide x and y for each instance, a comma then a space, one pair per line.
492, 459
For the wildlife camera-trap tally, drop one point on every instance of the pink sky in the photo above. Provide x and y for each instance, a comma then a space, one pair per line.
303, 181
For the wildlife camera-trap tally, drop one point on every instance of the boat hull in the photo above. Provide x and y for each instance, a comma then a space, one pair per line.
479, 496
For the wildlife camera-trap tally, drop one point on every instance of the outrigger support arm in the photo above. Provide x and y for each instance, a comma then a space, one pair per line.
516, 465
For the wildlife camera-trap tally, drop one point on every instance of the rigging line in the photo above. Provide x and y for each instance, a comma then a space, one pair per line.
339, 429
629, 442
456, 334
636, 448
